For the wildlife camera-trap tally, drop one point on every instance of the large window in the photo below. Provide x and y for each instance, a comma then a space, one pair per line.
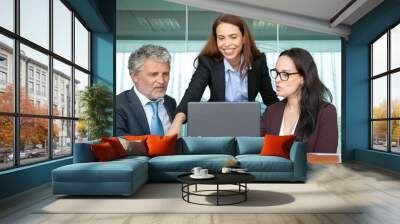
40, 80
7, 14
385, 96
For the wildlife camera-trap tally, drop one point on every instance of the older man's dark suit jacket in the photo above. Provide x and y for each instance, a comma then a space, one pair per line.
130, 116
211, 73
324, 138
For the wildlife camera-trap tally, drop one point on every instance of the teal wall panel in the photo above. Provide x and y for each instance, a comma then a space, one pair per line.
357, 101
24, 178
103, 58
380, 159
91, 13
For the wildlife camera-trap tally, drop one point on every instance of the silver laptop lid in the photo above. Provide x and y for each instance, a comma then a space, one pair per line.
212, 119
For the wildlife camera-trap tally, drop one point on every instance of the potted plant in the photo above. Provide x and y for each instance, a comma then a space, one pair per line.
96, 104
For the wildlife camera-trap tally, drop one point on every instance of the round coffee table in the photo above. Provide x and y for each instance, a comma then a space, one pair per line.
238, 179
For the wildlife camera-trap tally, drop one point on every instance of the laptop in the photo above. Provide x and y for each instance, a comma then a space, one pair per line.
213, 119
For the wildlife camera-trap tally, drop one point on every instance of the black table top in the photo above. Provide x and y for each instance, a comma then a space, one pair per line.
220, 178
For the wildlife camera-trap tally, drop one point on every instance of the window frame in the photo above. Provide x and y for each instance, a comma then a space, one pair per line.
388, 74
16, 115
3, 77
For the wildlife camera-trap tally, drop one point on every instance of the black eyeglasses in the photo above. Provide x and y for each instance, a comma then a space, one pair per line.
283, 75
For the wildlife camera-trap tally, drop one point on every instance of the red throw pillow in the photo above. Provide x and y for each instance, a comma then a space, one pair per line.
161, 145
277, 145
136, 137
116, 145
103, 151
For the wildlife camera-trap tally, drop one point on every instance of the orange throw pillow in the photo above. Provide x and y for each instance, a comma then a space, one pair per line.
116, 145
161, 145
103, 152
136, 137
277, 145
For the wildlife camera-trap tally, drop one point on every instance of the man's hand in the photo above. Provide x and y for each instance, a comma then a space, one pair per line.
176, 125
174, 130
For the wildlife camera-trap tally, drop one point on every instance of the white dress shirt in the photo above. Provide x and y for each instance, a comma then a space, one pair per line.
162, 112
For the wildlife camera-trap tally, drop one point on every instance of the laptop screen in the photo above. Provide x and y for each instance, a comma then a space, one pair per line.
213, 119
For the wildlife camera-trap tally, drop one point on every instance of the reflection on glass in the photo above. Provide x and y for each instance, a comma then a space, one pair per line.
6, 74
379, 98
133, 33
62, 29
197, 31
62, 138
81, 131
395, 136
81, 81
395, 95
34, 70
35, 21
7, 14
62, 89
81, 45
395, 47
379, 55
6, 142
379, 135
33, 139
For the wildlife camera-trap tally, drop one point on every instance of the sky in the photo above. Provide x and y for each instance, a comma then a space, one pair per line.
35, 27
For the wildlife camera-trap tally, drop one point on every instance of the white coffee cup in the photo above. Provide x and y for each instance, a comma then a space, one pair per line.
226, 170
203, 172
196, 170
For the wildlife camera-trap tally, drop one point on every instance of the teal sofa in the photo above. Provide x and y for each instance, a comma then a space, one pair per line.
125, 176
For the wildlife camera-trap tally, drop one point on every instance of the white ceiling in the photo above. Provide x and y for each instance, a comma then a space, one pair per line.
321, 9
316, 15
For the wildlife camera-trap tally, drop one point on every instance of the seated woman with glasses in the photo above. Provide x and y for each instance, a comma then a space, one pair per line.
305, 110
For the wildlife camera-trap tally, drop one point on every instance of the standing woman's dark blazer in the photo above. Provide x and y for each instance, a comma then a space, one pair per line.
212, 73
324, 138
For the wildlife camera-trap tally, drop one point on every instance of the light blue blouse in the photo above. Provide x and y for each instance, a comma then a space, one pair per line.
236, 89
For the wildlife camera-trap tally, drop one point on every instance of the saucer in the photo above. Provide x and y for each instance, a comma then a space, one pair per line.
208, 176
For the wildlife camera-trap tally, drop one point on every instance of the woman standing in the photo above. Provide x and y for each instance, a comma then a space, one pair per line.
231, 65
305, 111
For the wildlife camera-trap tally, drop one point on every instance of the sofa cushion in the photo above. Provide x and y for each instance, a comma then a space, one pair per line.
103, 152
134, 147
207, 145
118, 171
83, 152
185, 163
136, 137
249, 145
116, 145
118, 177
275, 145
161, 145
128, 159
257, 163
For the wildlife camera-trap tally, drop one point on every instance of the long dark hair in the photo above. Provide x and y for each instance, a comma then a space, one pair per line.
314, 93
249, 49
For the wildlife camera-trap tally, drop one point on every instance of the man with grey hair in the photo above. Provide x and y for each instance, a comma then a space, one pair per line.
146, 109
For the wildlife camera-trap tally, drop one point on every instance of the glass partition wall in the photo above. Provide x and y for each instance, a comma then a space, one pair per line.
183, 30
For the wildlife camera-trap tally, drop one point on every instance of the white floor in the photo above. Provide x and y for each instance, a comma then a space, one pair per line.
378, 189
